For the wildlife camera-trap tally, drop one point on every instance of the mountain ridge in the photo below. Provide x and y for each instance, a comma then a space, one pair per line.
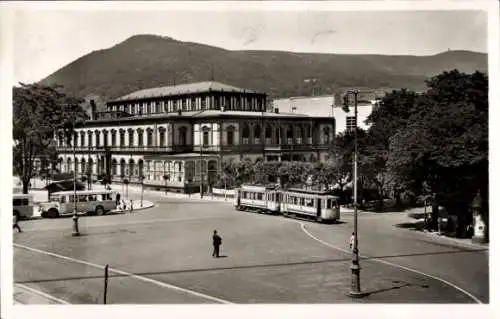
146, 61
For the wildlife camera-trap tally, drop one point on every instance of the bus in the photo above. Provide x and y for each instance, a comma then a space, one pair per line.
91, 202
22, 205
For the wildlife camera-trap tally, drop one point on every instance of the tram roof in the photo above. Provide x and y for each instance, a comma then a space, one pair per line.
311, 191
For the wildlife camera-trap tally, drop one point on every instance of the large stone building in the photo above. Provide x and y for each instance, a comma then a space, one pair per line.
177, 136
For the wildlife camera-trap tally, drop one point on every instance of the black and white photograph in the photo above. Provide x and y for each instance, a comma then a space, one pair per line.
252, 153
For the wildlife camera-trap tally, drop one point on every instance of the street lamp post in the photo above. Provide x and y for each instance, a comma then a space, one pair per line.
142, 187
355, 291
76, 232
201, 170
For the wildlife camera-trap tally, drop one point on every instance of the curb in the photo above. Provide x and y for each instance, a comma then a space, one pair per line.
456, 241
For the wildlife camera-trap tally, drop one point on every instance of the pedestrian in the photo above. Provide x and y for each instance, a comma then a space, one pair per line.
351, 242
131, 207
15, 220
118, 199
217, 241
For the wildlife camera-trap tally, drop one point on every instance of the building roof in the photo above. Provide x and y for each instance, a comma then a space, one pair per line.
181, 89
207, 114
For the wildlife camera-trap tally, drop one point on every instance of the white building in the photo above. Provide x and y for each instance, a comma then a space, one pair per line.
327, 106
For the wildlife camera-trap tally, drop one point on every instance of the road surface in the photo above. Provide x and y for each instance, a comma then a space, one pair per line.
163, 256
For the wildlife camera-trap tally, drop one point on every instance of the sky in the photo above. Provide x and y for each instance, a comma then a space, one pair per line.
46, 40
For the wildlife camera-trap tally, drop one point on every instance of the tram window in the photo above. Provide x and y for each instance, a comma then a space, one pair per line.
328, 203
309, 202
259, 196
302, 202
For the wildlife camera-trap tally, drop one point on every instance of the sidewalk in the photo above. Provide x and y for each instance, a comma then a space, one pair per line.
24, 295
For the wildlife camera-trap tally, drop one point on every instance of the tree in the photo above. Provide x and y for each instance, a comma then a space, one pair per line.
39, 112
445, 142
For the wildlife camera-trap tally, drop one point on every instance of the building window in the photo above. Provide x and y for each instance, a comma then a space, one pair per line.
350, 123
91, 143
184, 104
193, 103
182, 136
131, 138
245, 134
113, 138
230, 135
97, 138
203, 102
162, 137
122, 138
82, 139
158, 107
105, 136
206, 136
326, 135
140, 135
150, 137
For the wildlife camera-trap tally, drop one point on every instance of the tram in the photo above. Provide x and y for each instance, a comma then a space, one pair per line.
321, 206
262, 199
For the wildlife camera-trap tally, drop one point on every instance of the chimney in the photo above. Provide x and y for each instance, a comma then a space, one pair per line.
93, 110
276, 110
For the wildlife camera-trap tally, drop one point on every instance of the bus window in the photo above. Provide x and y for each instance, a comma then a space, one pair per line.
259, 196
82, 198
302, 202
71, 199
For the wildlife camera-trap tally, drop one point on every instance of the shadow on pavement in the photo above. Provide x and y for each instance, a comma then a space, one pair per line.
347, 259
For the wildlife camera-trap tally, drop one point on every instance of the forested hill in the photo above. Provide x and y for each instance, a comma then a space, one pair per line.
145, 61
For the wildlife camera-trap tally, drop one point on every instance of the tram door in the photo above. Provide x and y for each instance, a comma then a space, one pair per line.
318, 207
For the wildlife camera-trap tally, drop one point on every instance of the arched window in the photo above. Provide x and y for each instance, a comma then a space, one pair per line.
91, 166
77, 165
97, 138
122, 137
122, 168
91, 141
131, 167
83, 166
131, 142
256, 134
140, 137
150, 137
206, 135
277, 136
68, 166
245, 134
105, 136
113, 138
230, 135
114, 168
269, 132
82, 139
162, 137
140, 171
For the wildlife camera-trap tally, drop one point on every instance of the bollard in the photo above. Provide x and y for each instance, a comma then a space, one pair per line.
106, 283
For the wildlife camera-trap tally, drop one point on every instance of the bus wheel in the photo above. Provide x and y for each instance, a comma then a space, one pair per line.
99, 211
52, 213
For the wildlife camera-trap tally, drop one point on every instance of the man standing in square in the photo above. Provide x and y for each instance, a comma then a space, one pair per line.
217, 241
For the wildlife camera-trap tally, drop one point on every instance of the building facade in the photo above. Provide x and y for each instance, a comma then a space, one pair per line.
177, 137
328, 106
